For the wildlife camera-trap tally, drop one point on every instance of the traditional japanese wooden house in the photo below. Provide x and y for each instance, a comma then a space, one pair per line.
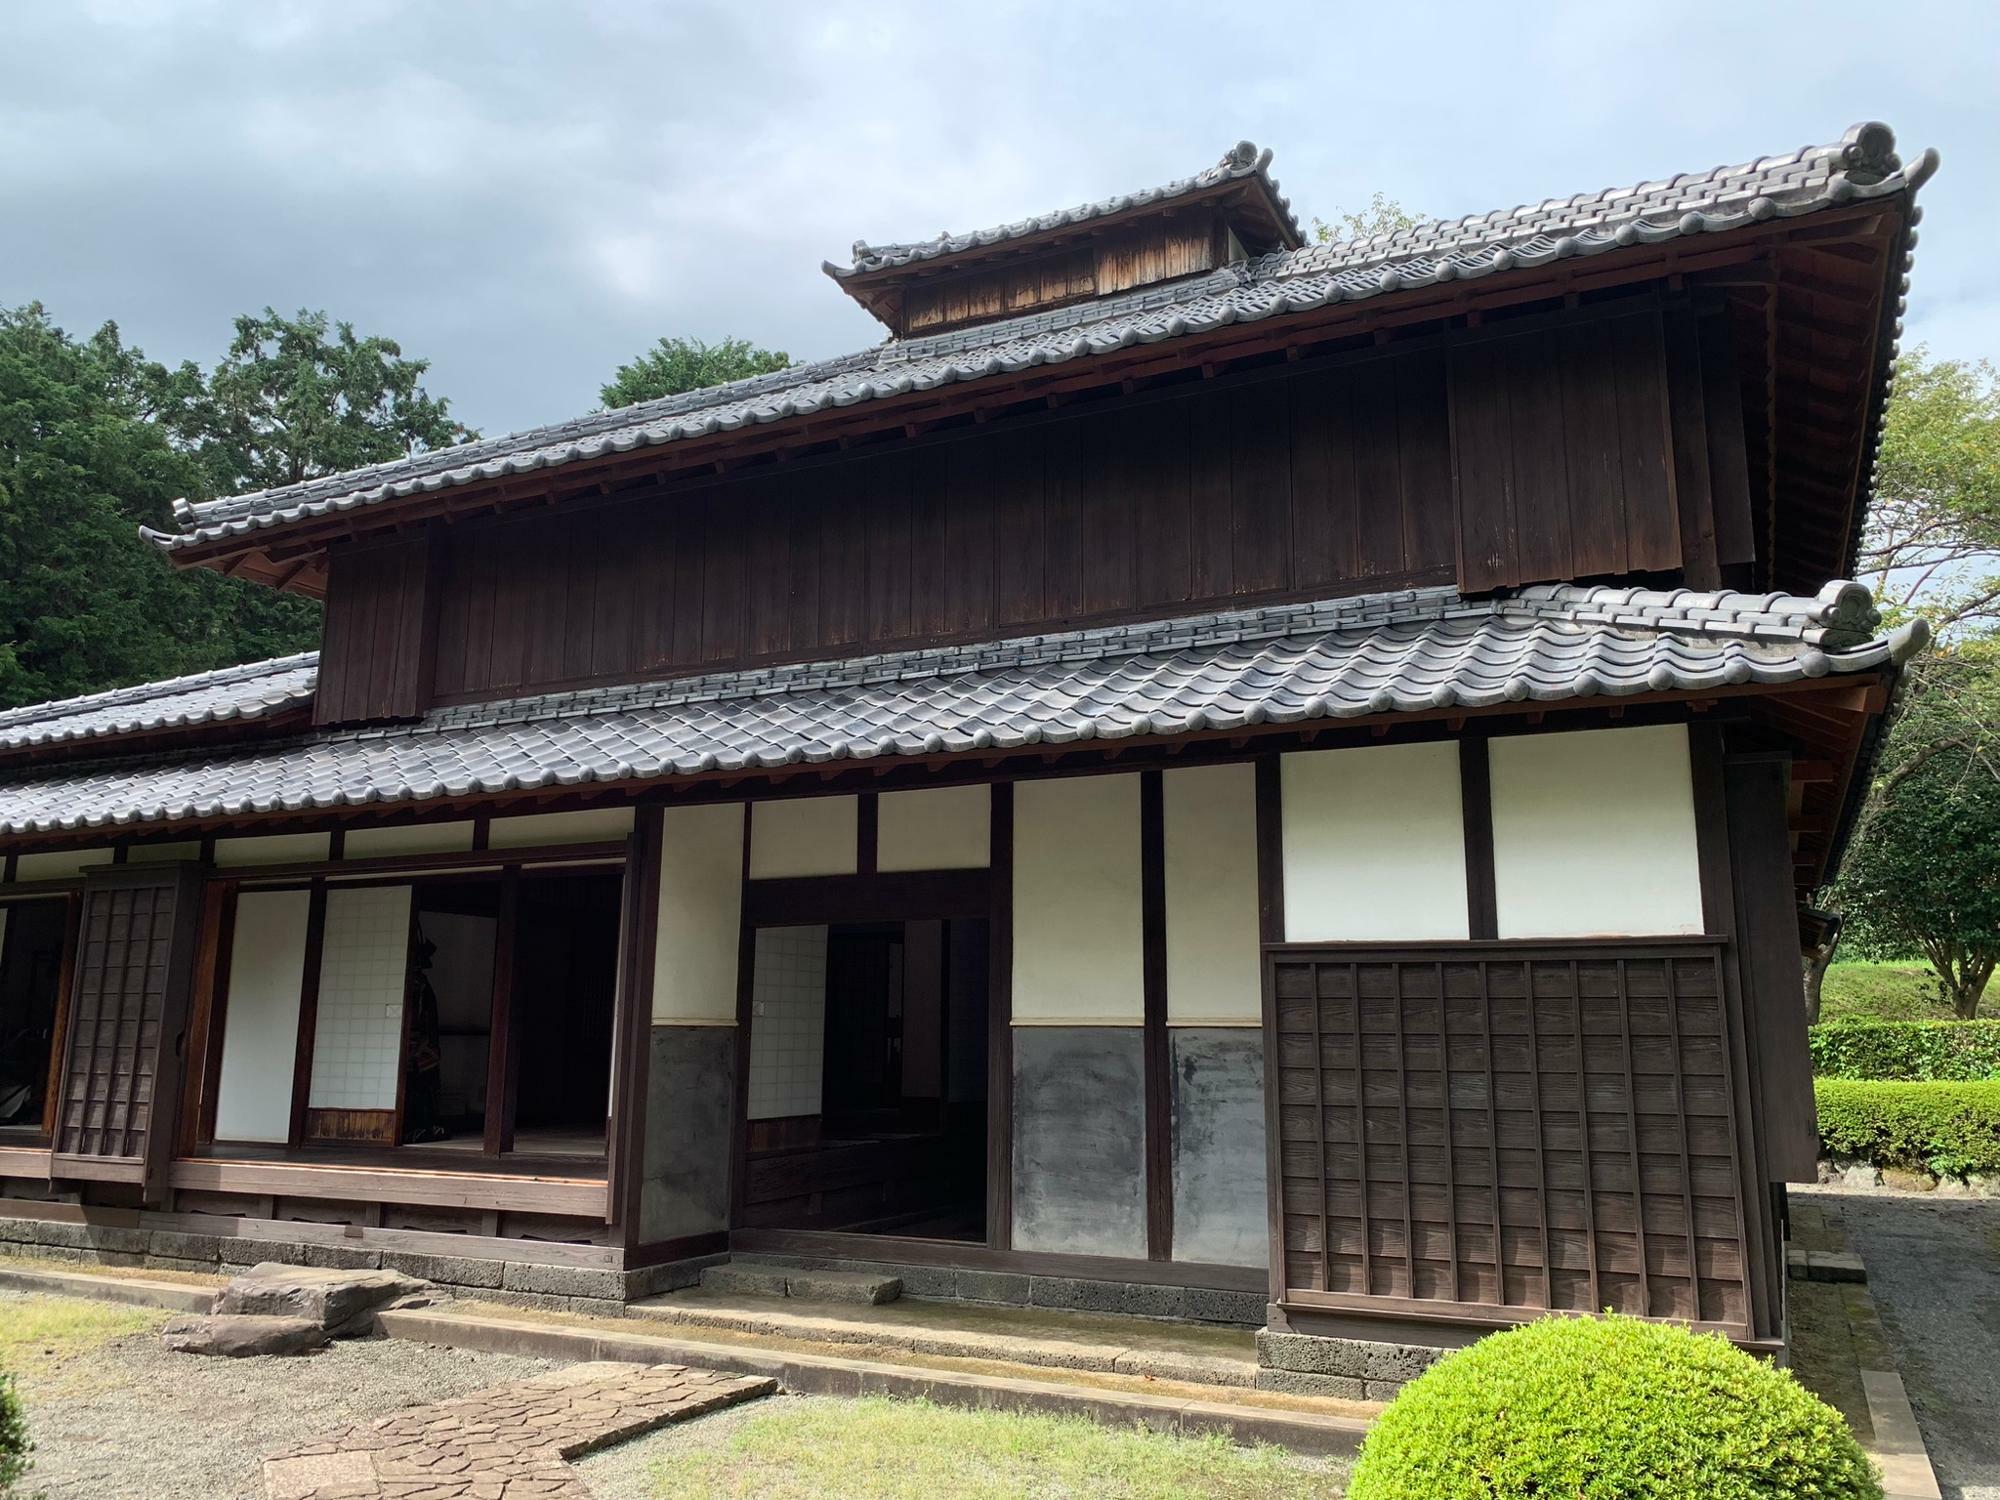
1209, 774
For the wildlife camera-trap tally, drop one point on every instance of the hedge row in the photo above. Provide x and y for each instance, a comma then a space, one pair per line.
1908, 1051
1953, 1129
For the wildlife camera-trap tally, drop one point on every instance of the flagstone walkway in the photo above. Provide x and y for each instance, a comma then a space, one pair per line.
508, 1443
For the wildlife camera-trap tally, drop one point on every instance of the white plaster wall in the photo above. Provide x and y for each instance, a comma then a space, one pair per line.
805, 836
1077, 941
260, 1028
1374, 844
1210, 822
598, 825
788, 1022
59, 865
408, 838
1593, 833
364, 965
272, 849
938, 828
701, 912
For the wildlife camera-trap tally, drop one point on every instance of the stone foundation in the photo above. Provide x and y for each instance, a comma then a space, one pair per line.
1068, 1293
599, 1291
1305, 1364
517, 1283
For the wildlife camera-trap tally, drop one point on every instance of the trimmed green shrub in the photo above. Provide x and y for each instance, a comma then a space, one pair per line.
1951, 1128
1907, 1051
14, 1443
1609, 1408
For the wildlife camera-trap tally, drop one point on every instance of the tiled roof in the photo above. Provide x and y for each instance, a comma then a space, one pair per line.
1243, 162
1377, 654
255, 691
1861, 165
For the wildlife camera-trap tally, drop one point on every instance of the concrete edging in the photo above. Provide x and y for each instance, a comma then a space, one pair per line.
827, 1375
135, 1291
1898, 1448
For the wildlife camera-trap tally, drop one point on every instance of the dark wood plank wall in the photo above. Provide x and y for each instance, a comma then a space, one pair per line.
1113, 261
377, 649
1047, 280
1562, 459
1578, 450
1326, 483
1590, 1082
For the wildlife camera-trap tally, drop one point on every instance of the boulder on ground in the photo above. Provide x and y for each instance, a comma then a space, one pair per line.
340, 1301
239, 1336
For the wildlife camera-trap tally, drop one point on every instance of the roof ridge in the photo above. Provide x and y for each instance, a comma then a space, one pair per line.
1862, 166
1240, 163
1865, 149
1411, 651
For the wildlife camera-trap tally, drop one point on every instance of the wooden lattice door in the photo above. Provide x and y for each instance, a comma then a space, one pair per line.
1510, 1128
122, 1061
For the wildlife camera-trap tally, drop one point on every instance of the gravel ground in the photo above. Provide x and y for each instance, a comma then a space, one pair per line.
127, 1418
1934, 1272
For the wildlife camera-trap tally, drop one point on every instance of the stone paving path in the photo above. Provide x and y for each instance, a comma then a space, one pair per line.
508, 1443
1934, 1274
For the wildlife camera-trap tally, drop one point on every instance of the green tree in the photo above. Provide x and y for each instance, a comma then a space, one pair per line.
1931, 547
85, 459
675, 365
1923, 873
1932, 544
298, 397
1383, 215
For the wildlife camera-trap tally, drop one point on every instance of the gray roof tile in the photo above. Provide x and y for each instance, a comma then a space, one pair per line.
1861, 165
1243, 162
1387, 653
255, 691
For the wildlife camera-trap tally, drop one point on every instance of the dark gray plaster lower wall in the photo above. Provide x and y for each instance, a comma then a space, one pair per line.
1220, 1213
1079, 1140
690, 1100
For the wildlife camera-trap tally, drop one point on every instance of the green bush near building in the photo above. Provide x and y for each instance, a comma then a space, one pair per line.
14, 1443
1608, 1408
1952, 1129
1907, 1051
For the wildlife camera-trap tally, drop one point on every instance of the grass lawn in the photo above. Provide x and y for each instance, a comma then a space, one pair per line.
1881, 992
877, 1449
38, 1333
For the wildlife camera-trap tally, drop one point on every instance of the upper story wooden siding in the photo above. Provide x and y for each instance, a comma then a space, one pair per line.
1573, 450
1097, 266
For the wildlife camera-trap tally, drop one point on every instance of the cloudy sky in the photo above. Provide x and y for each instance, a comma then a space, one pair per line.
529, 194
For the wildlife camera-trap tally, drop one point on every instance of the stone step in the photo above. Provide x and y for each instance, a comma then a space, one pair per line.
1103, 1343
753, 1278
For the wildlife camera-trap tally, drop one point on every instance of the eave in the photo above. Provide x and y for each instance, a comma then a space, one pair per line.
1753, 266
1824, 722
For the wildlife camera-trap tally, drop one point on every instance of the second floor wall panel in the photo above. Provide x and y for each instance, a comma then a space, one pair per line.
1318, 484
1566, 451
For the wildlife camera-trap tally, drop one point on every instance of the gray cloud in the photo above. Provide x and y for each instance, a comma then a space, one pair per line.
528, 195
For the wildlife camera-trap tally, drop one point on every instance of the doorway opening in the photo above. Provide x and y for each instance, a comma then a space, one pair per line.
511, 999
33, 935
867, 1087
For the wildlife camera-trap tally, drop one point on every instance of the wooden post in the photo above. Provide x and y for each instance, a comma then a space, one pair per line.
632, 1023
1476, 800
1271, 930
503, 1052
1158, 1065
1000, 1024
302, 1058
